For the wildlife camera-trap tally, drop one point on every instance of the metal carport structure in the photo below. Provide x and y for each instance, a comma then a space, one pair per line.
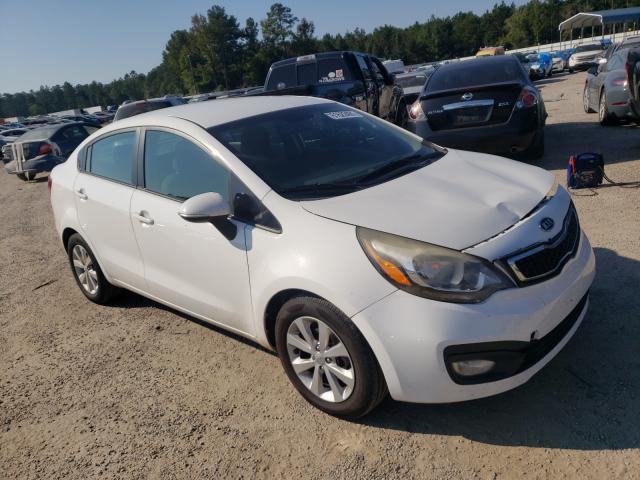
601, 19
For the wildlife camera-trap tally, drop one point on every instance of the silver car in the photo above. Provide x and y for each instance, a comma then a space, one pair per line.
606, 90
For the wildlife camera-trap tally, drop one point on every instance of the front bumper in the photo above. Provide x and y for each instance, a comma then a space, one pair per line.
409, 334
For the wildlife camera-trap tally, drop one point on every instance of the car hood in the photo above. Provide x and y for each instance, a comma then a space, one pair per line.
589, 54
457, 202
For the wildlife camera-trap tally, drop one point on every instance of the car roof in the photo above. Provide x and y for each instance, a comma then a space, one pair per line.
210, 114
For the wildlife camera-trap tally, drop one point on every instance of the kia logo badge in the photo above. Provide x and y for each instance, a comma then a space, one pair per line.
467, 96
547, 224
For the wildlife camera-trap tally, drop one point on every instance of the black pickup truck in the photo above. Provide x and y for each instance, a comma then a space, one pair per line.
356, 79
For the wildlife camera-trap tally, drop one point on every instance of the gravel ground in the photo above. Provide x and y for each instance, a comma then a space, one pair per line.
135, 390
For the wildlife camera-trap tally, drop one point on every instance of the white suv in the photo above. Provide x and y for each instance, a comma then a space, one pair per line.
371, 260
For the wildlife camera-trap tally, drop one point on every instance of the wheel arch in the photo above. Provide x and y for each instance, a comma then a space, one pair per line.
66, 235
274, 305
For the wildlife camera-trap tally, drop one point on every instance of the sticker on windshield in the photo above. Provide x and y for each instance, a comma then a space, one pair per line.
342, 115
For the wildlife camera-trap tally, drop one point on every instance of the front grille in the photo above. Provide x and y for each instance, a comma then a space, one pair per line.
545, 260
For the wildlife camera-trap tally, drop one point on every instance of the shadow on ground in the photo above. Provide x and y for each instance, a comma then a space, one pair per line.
587, 398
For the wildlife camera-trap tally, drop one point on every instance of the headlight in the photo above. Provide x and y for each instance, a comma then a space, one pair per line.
430, 271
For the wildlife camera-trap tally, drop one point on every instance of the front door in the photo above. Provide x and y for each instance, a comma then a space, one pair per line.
189, 265
103, 194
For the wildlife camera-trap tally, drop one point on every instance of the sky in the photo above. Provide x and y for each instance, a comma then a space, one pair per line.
48, 42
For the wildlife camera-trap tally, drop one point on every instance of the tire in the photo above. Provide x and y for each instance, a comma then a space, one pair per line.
604, 117
586, 103
303, 317
26, 176
571, 70
536, 150
402, 117
82, 260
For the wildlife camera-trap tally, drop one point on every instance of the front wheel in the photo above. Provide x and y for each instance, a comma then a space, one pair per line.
327, 359
87, 272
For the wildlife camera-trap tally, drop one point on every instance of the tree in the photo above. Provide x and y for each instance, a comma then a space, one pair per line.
303, 40
277, 28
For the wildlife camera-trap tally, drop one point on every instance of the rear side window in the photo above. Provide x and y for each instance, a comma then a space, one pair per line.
176, 167
282, 77
474, 72
332, 70
113, 157
366, 73
73, 134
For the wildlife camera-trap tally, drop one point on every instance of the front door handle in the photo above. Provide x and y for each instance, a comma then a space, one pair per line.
81, 193
143, 219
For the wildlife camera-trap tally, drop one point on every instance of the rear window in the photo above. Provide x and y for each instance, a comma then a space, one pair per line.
132, 109
323, 70
39, 133
472, 73
589, 48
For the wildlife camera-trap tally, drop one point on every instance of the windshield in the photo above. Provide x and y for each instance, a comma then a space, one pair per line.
414, 80
589, 48
322, 150
533, 58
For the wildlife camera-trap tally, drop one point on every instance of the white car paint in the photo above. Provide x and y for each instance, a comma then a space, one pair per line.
481, 203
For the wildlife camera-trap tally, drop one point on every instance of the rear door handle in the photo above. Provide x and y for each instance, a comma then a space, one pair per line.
143, 219
81, 193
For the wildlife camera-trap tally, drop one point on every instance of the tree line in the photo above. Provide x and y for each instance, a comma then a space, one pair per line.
218, 53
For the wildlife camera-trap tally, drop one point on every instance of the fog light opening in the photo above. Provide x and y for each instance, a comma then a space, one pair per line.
470, 368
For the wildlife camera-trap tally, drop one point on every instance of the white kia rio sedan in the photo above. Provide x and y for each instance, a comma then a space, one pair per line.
369, 259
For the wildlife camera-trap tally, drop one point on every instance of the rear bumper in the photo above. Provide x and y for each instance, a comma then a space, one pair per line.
45, 163
512, 137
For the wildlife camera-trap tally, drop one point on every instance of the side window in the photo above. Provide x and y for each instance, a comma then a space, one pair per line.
615, 63
376, 72
178, 168
112, 157
364, 67
75, 133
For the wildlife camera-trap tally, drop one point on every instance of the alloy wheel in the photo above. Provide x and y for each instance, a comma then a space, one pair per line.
320, 359
602, 110
585, 100
84, 269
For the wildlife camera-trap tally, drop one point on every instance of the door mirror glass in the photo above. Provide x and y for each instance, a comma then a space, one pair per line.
593, 71
204, 208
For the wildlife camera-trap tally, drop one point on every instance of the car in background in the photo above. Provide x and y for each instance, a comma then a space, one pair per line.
559, 62
490, 51
394, 66
11, 134
540, 65
369, 260
606, 89
412, 83
522, 58
41, 149
354, 78
585, 56
487, 105
130, 109
88, 119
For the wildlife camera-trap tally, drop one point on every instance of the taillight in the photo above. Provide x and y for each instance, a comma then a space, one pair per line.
49, 183
45, 148
528, 98
620, 82
416, 112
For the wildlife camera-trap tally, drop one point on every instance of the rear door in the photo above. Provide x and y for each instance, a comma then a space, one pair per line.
192, 266
385, 88
103, 189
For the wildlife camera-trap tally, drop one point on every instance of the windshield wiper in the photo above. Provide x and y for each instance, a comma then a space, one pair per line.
417, 159
321, 187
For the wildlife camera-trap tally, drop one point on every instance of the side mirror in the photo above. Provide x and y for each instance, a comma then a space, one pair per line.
602, 61
212, 208
593, 71
204, 208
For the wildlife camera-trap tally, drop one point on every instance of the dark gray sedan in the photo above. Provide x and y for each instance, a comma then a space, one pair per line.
606, 90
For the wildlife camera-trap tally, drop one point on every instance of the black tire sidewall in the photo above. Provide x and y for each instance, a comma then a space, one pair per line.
104, 292
368, 377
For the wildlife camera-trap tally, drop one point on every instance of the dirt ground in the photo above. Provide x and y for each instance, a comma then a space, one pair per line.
135, 390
